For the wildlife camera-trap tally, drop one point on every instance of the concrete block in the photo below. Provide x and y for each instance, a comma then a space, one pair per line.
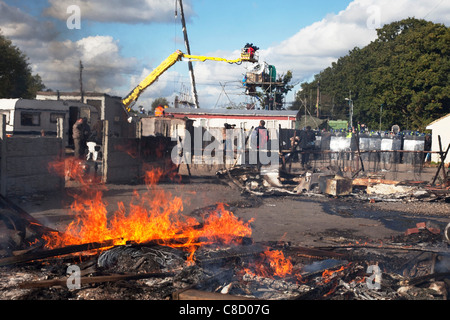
335, 186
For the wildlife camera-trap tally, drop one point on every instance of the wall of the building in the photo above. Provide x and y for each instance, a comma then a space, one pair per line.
126, 160
121, 163
109, 108
245, 123
440, 128
115, 114
24, 165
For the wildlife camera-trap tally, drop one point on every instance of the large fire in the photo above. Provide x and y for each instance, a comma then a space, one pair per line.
154, 215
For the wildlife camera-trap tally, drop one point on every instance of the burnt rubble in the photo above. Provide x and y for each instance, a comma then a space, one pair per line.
332, 182
414, 265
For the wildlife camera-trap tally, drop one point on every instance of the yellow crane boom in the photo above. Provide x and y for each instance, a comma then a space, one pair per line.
169, 62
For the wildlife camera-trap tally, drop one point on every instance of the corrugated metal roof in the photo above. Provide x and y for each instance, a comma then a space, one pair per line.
75, 94
232, 112
31, 104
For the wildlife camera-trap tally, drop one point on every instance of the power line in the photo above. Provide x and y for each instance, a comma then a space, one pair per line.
435, 7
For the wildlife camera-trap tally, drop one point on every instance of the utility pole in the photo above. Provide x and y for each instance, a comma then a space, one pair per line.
81, 83
381, 113
318, 99
350, 107
351, 111
188, 51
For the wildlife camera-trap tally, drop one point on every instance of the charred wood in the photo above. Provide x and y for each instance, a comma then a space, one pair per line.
420, 280
43, 254
20, 217
95, 279
193, 294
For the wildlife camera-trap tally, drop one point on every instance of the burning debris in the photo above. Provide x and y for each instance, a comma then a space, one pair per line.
149, 250
329, 181
242, 269
265, 271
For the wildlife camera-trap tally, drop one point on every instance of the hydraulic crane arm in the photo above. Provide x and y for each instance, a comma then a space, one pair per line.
166, 64
151, 78
203, 59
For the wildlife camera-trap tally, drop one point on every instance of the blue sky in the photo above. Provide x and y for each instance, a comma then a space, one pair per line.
120, 42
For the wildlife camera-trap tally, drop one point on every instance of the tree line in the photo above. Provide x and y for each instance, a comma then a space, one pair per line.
400, 78
16, 77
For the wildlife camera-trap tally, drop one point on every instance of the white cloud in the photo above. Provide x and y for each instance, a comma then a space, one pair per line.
130, 11
315, 47
18, 25
219, 81
57, 62
306, 53
104, 68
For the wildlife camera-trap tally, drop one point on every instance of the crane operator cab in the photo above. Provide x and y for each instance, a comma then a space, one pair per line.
249, 53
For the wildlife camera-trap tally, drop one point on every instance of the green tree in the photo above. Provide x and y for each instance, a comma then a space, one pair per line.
402, 77
283, 89
272, 90
272, 94
16, 78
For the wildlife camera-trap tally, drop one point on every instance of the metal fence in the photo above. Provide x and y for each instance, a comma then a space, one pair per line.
371, 153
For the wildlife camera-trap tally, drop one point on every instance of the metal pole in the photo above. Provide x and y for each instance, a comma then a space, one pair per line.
188, 50
351, 110
351, 117
318, 99
81, 83
381, 112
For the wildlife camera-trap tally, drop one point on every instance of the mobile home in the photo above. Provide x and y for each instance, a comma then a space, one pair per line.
39, 117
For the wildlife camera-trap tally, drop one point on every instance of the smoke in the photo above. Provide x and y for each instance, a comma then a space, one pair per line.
442, 264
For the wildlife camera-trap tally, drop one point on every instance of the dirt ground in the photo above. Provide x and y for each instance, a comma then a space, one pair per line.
305, 220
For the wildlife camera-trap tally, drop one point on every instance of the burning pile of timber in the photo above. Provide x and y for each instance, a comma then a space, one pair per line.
149, 250
407, 267
268, 271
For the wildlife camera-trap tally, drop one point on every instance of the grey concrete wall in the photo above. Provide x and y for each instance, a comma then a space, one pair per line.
24, 165
126, 159
121, 158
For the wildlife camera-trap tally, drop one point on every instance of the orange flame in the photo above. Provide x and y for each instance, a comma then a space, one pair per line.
328, 275
154, 215
280, 265
128, 148
272, 263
